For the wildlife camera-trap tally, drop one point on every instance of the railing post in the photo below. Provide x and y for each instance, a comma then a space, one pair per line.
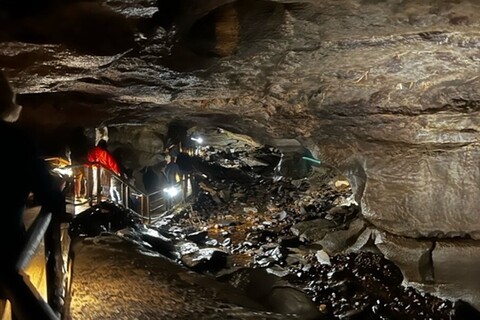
99, 184
126, 195
184, 186
89, 191
54, 265
149, 214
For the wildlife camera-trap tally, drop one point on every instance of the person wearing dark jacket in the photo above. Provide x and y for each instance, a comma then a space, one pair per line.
23, 172
150, 179
172, 171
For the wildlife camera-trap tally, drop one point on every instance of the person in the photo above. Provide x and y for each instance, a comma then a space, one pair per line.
150, 180
23, 172
100, 155
188, 168
101, 133
172, 172
173, 150
79, 145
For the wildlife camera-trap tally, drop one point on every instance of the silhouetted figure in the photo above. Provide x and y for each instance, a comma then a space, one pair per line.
188, 167
185, 162
23, 172
173, 151
151, 180
79, 145
172, 171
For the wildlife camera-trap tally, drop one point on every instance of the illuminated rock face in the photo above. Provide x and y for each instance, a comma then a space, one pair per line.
387, 91
414, 165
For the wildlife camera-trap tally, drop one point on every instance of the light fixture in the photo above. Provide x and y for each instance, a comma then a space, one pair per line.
171, 191
63, 171
312, 160
198, 140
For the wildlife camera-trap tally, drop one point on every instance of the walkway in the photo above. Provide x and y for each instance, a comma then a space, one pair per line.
36, 269
112, 280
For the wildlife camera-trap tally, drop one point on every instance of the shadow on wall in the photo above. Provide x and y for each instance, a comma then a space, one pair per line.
87, 27
206, 30
222, 31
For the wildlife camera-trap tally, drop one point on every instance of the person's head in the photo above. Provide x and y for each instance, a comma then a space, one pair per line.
9, 109
102, 144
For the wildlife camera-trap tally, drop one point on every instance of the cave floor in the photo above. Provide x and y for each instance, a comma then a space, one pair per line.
113, 281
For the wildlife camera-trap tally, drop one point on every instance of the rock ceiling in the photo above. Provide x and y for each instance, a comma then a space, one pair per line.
385, 90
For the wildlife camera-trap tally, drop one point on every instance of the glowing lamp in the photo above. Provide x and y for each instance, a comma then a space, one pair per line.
198, 140
171, 191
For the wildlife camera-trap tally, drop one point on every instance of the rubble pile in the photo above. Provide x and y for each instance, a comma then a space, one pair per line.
361, 285
262, 225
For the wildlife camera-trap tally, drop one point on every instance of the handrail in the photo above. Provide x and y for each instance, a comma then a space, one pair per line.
151, 196
125, 185
127, 189
27, 304
35, 235
149, 203
149, 208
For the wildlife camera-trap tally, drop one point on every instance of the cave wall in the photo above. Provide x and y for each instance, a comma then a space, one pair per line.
386, 91
411, 150
395, 106
414, 167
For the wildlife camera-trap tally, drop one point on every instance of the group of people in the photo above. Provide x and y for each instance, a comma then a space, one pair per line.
154, 178
169, 175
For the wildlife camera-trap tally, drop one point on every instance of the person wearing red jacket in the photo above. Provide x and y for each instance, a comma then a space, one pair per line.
101, 156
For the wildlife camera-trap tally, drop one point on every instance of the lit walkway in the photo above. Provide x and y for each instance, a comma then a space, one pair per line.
36, 268
112, 280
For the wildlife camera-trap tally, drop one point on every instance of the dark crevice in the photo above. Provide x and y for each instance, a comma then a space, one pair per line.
426, 266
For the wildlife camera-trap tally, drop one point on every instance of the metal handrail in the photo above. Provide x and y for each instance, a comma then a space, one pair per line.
153, 201
149, 202
27, 304
35, 235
